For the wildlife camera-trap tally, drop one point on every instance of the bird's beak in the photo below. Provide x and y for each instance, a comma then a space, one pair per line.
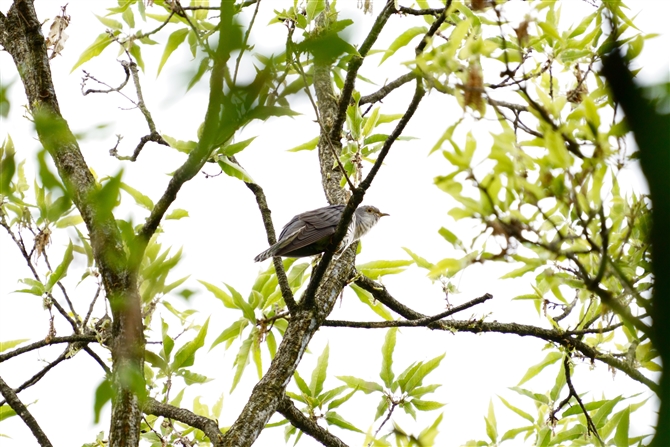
383, 214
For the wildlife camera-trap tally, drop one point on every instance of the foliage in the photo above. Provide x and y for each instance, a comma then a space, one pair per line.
542, 192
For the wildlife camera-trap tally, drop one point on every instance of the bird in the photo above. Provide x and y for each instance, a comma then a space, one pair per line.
309, 233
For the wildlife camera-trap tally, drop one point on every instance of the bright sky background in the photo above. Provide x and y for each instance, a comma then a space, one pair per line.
224, 233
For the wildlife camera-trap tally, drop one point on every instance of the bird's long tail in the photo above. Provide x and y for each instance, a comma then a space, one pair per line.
266, 254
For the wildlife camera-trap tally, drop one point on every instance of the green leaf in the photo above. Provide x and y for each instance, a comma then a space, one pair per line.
388, 347
424, 369
551, 358
375, 269
335, 419
302, 385
308, 146
191, 378
129, 17
518, 411
234, 170
418, 260
226, 299
447, 267
366, 298
108, 196
232, 331
175, 39
241, 304
185, 356
111, 23
101, 42
535, 396
69, 221
513, 433
232, 149
61, 270
450, 237
360, 384
426, 405
103, 394
242, 359
140, 198
168, 342
621, 435
319, 373
182, 146
5, 413
402, 40
177, 214
337, 402
314, 7
265, 112
491, 424
5, 345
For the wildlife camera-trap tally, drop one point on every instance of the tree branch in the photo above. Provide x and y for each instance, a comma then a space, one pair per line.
419, 322
307, 425
20, 409
476, 327
284, 286
357, 198
353, 67
208, 426
87, 338
388, 88
36, 378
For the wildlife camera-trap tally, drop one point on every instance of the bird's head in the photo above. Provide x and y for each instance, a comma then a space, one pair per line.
367, 216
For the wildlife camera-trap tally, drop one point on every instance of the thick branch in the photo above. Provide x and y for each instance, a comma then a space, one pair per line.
25, 43
20, 409
307, 425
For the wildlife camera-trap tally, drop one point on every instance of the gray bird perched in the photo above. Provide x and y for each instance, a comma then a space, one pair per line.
309, 233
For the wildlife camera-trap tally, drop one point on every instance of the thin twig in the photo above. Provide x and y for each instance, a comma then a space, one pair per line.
284, 286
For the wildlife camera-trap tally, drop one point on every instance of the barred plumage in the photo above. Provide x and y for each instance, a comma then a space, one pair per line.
309, 233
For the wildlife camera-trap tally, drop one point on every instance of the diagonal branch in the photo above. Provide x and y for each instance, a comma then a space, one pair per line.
284, 286
357, 198
388, 88
198, 157
208, 426
20, 409
307, 425
353, 67
36, 378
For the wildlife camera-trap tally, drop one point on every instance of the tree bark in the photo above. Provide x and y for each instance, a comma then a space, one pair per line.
21, 36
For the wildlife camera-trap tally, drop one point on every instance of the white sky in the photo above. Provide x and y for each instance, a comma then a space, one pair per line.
224, 233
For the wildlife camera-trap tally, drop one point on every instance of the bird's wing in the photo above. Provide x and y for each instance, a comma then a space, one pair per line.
311, 226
